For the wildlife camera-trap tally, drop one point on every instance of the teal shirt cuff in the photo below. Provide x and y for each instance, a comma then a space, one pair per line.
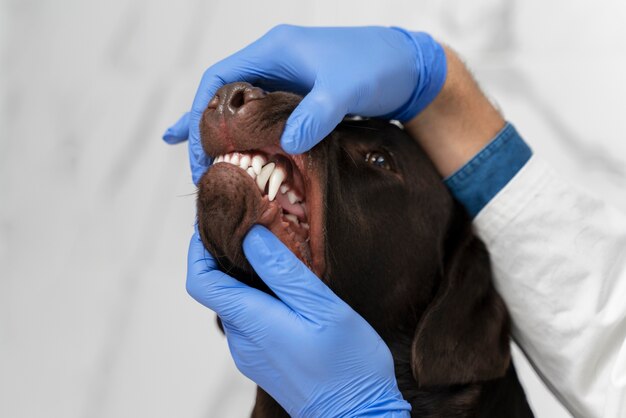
482, 177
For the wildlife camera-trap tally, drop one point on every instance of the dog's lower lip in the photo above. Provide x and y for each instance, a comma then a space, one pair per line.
276, 178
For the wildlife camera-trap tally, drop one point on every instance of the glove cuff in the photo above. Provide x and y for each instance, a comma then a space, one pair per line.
403, 413
431, 74
392, 406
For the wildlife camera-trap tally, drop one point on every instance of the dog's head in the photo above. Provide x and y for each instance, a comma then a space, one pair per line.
367, 212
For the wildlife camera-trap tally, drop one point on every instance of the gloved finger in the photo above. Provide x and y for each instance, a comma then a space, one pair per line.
315, 117
178, 132
235, 303
198, 161
291, 281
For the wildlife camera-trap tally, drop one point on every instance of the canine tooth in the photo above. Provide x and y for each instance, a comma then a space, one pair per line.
244, 162
234, 160
304, 225
284, 189
293, 197
227, 158
257, 163
275, 181
292, 218
251, 172
264, 176
219, 159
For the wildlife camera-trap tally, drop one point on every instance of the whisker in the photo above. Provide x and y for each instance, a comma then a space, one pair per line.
343, 148
361, 127
187, 194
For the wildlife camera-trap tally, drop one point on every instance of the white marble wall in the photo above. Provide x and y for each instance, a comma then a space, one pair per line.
95, 211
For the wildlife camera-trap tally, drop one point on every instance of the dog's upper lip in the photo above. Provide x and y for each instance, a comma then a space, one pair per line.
243, 117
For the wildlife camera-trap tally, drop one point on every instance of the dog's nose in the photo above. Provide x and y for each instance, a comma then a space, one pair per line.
232, 97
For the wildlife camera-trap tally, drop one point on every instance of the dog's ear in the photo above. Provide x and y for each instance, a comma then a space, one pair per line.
463, 336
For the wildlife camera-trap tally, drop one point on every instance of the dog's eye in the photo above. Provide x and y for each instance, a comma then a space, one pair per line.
378, 159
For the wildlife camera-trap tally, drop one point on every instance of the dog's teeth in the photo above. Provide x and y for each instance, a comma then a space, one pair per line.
257, 163
227, 158
293, 197
275, 181
251, 172
304, 225
244, 162
292, 218
264, 176
284, 189
234, 160
219, 159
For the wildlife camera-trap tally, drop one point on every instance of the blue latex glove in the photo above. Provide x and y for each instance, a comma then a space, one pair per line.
308, 349
367, 71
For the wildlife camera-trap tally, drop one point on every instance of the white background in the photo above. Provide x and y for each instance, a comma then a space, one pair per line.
96, 211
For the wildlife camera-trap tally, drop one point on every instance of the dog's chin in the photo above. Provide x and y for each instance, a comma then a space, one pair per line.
231, 200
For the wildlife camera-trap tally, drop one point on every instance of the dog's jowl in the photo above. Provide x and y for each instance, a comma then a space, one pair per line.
367, 212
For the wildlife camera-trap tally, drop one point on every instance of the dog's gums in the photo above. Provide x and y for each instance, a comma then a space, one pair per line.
282, 206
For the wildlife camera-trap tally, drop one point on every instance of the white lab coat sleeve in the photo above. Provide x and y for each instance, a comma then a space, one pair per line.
559, 261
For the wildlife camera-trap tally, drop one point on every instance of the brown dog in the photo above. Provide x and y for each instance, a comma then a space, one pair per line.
368, 213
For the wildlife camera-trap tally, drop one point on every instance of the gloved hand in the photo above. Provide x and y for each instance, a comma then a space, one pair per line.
367, 71
308, 349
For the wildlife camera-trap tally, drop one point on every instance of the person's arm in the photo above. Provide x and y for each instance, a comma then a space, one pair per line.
394, 73
558, 254
559, 260
458, 123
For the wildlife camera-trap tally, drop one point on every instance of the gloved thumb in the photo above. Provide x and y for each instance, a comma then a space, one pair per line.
290, 280
315, 117
178, 132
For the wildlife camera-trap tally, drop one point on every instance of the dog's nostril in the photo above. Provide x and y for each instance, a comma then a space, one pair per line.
240, 97
231, 97
237, 99
243, 96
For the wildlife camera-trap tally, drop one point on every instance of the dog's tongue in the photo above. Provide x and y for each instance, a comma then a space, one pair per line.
229, 204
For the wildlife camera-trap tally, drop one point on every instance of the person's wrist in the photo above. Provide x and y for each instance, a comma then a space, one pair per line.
458, 123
